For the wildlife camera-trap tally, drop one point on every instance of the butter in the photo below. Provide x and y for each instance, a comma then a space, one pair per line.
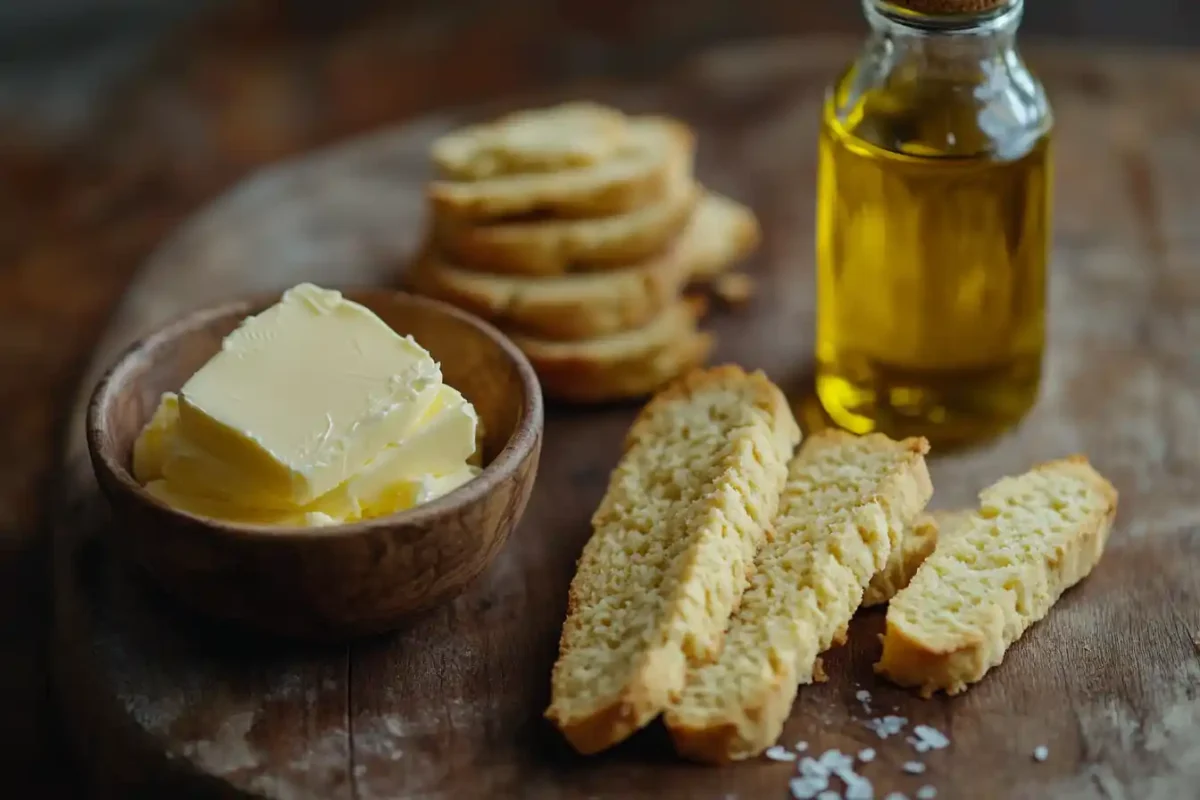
149, 451
314, 412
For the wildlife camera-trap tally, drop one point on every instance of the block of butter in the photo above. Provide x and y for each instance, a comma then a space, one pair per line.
314, 412
303, 395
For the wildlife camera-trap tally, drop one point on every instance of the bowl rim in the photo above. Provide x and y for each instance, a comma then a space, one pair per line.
521, 442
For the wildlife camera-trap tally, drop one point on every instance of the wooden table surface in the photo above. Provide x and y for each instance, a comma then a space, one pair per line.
255, 85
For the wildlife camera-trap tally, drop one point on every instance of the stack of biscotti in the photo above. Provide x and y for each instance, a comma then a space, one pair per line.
576, 229
721, 567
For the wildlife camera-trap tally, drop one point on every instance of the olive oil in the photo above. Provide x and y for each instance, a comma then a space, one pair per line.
933, 227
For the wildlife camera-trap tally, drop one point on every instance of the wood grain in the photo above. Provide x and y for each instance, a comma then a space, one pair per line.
450, 707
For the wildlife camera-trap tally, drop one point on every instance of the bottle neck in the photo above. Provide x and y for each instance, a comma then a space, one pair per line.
1003, 21
943, 44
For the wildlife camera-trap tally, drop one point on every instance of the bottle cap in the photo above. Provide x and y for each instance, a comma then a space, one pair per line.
950, 7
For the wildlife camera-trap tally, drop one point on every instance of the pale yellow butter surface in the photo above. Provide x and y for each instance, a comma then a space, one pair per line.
299, 399
237, 448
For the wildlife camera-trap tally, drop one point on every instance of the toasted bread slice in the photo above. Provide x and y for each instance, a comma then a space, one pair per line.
557, 246
626, 365
685, 510
728, 233
569, 307
637, 174
847, 502
584, 305
915, 546
1031, 539
565, 136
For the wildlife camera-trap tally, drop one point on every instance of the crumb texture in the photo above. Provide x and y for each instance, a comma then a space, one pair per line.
685, 510
845, 506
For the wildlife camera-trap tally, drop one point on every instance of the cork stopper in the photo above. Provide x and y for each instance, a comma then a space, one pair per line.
956, 8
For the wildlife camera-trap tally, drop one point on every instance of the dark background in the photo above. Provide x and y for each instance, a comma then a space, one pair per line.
120, 117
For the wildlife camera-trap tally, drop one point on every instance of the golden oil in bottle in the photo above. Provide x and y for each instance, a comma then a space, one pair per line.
933, 227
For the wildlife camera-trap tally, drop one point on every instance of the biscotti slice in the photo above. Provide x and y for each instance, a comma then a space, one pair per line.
566, 307
727, 232
582, 305
636, 174
685, 509
557, 246
1031, 539
847, 502
626, 365
564, 136
915, 546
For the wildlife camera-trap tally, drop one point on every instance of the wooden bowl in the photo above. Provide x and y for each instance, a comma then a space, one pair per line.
337, 581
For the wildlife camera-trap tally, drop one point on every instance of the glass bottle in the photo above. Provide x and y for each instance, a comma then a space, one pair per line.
933, 225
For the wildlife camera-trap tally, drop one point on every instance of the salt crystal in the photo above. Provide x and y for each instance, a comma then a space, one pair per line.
926, 793
887, 726
777, 753
896, 796
914, 767
835, 761
1041, 752
807, 788
930, 738
857, 787
801, 747
866, 755
860, 790
829, 795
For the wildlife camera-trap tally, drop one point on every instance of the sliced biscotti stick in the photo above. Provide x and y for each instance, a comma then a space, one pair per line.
1032, 538
626, 365
685, 509
847, 502
564, 136
727, 231
557, 246
567, 307
583, 305
636, 174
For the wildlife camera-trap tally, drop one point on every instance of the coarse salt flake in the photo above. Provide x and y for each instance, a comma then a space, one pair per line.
914, 767
777, 753
807, 788
930, 738
867, 754
1041, 752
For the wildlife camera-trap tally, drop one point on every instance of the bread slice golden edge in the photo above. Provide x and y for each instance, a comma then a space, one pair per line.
763, 678
1066, 510
688, 600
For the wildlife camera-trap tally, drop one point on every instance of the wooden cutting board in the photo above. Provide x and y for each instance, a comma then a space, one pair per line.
161, 704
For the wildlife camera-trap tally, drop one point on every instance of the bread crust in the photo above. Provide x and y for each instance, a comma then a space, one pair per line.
630, 365
568, 307
545, 247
